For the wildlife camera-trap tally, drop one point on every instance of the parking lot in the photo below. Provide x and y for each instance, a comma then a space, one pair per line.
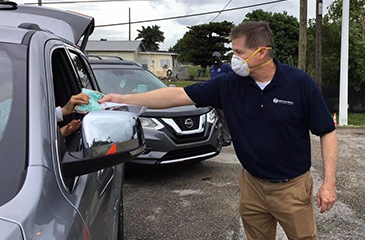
199, 201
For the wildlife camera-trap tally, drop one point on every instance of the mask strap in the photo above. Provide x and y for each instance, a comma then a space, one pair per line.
261, 64
268, 48
254, 53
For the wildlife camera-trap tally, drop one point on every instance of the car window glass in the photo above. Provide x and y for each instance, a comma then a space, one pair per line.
13, 116
66, 83
81, 70
6, 89
125, 81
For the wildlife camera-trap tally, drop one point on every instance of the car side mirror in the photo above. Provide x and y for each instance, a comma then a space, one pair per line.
109, 138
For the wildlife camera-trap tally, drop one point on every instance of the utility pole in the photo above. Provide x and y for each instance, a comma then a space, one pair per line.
129, 24
319, 12
302, 54
343, 108
39, 2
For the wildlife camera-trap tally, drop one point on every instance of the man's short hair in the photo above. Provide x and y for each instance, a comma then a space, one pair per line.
256, 34
217, 54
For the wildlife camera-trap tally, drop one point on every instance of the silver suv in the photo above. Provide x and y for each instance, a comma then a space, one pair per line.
53, 187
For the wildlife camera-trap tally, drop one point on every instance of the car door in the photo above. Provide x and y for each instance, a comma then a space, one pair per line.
95, 196
109, 180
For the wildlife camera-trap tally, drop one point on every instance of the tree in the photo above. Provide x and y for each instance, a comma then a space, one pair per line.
331, 46
286, 34
151, 36
201, 41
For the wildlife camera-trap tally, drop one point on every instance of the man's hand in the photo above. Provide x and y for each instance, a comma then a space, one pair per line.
70, 127
112, 97
81, 98
326, 198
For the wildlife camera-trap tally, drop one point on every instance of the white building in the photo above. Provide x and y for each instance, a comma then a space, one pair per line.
157, 62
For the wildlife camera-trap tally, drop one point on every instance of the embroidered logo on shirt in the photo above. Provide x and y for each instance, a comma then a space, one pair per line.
219, 69
278, 101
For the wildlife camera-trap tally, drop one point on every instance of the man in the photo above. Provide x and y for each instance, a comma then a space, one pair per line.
216, 69
218, 66
270, 109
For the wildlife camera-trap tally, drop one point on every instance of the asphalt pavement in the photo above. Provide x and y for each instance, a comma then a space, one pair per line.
200, 201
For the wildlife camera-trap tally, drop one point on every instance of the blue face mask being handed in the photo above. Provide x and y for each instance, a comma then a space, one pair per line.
93, 101
240, 65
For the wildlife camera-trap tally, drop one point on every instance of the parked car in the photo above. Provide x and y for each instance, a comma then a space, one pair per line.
52, 187
172, 135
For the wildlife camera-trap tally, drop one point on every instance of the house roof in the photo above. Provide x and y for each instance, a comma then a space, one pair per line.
159, 53
115, 46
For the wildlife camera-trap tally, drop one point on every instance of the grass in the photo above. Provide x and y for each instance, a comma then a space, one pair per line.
182, 83
356, 119
193, 72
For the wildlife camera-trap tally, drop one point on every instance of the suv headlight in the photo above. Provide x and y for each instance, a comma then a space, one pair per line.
151, 123
211, 116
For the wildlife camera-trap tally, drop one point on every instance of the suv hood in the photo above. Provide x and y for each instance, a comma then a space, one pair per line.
68, 25
183, 111
10, 230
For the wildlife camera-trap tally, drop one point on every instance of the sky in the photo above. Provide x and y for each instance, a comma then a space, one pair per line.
118, 12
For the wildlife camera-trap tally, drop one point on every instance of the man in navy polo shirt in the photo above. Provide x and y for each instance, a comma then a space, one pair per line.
216, 69
270, 108
218, 66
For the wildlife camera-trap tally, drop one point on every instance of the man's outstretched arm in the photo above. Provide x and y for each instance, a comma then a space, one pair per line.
160, 98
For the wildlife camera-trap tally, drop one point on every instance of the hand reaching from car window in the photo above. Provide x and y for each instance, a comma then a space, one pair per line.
70, 127
81, 98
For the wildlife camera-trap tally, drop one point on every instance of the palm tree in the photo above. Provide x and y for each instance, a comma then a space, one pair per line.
151, 36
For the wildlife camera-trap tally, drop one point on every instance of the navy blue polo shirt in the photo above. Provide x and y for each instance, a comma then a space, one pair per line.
222, 68
270, 127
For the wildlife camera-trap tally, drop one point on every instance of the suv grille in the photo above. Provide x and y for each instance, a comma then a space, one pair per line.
183, 122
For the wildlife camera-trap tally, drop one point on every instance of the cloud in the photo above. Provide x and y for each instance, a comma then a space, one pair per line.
118, 12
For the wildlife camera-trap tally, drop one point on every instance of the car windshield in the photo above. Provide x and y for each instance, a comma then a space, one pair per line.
126, 80
12, 118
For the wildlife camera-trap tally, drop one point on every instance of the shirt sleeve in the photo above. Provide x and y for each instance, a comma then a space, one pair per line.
227, 68
320, 120
59, 116
206, 93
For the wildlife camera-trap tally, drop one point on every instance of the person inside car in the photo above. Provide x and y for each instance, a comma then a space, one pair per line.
68, 129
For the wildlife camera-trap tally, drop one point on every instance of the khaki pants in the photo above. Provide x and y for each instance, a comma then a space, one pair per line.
263, 204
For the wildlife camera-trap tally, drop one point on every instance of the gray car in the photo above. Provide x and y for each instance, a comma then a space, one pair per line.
173, 135
53, 187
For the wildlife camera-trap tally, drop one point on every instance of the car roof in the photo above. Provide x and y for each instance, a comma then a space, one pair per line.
12, 34
68, 25
111, 60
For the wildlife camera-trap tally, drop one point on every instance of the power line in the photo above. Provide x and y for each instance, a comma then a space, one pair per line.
87, 1
291, 6
221, 11
191, 15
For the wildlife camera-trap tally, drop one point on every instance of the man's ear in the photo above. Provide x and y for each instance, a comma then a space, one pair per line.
264, 52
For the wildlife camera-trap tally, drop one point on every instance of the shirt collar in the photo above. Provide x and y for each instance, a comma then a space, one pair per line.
276, 81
